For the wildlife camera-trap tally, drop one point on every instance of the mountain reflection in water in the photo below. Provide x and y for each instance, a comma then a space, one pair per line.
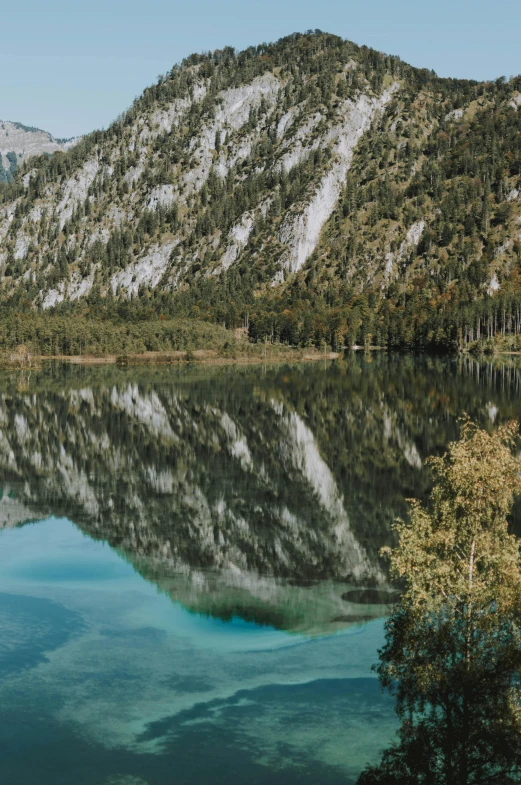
189, 561
242, 492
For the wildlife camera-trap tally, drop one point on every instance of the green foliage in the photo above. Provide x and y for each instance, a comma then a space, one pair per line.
6, 175
75, 335
453, 645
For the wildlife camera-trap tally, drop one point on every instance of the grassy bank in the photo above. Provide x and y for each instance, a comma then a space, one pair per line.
251, 354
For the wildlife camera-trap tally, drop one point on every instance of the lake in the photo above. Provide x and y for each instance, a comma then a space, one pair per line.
190, 585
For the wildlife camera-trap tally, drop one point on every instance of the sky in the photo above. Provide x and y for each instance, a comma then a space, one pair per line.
71, 66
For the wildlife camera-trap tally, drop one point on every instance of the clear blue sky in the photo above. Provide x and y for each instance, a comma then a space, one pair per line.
70, 66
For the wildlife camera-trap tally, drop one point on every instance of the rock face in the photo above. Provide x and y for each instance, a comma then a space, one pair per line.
18, 143
12, 512
302, 232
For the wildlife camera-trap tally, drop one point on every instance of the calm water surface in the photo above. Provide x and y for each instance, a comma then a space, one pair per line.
190, 587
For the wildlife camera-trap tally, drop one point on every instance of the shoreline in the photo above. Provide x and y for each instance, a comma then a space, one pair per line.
277, 354
196, 357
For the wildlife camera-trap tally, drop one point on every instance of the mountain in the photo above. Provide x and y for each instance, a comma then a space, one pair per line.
311, 189
19, 142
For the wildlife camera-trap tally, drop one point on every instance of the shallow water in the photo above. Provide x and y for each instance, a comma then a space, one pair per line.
190, 589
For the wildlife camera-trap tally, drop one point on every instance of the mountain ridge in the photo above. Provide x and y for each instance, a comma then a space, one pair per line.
19, 142
314, 190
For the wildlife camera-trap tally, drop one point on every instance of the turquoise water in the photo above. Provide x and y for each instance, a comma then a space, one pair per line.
103, 679
190, 587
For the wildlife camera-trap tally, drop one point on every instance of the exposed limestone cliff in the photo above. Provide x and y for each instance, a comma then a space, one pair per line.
202, 172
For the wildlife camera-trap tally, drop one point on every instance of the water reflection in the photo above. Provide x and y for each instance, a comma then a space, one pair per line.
225, 522
239, 492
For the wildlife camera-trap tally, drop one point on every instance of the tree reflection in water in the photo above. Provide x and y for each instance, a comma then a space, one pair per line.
458, 726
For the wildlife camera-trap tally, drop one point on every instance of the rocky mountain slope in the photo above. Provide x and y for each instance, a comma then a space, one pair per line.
311, 189
18, 143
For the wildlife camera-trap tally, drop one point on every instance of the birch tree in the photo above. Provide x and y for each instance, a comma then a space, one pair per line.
452, 655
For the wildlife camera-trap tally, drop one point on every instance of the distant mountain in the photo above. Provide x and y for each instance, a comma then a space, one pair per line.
315, 190
19, 142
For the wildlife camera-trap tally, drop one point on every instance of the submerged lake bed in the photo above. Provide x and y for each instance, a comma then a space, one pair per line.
190, 586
